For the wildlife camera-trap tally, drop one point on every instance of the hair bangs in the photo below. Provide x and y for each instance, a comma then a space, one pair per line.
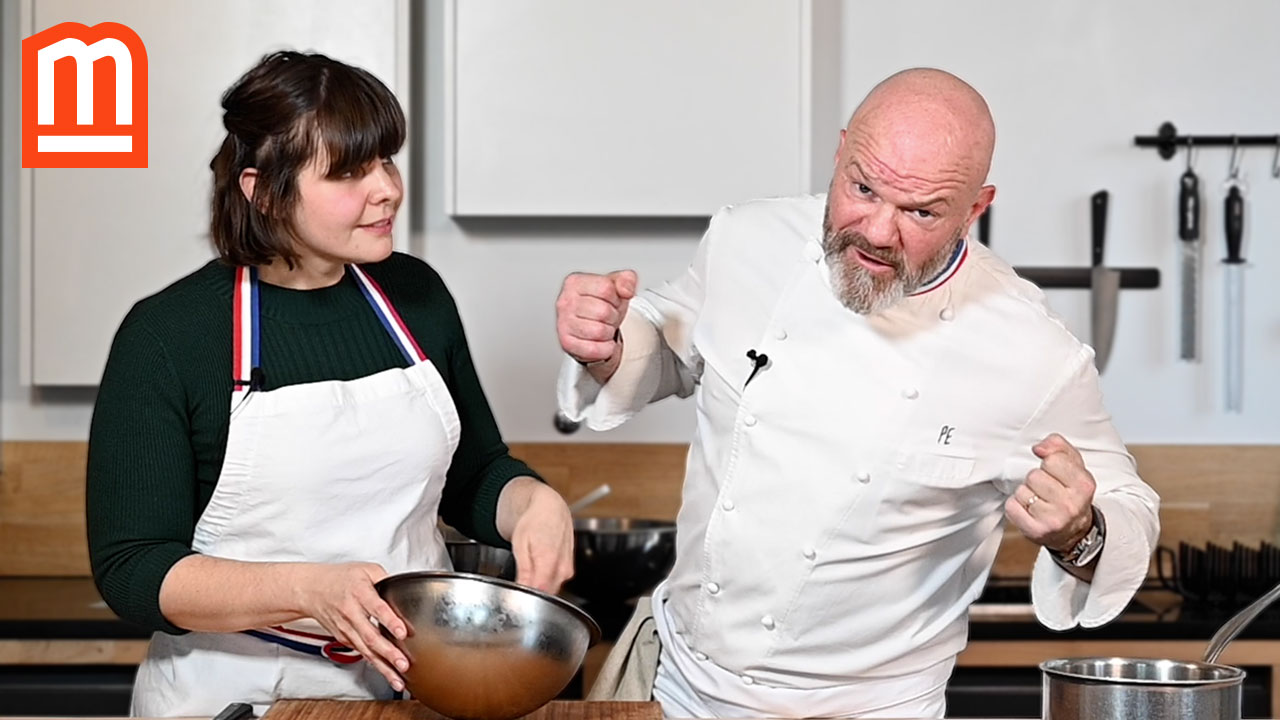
358, 122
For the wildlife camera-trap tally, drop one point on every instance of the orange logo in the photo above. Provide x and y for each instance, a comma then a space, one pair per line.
84, 97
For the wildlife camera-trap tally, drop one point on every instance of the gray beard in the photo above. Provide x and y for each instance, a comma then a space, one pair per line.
864, 292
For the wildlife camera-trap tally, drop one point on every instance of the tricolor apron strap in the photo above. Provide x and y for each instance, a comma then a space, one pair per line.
246, 348
390, 319
325, 646
246, 371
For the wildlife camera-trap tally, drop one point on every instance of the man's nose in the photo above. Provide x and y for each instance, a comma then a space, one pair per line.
881, 227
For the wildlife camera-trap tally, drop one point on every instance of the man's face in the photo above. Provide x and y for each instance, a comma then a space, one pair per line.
891, 224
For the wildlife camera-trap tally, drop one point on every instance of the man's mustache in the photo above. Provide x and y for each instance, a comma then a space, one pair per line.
842, 240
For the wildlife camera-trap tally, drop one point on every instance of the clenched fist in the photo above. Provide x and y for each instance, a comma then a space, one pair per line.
588, 313
1054, 507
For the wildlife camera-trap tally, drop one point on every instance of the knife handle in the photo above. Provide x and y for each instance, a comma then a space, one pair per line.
1099, 208
1234, 217
235, 711
1189, 206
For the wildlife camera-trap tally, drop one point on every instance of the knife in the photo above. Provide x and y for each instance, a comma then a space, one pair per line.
1233, 277
1189, 234
1104, 291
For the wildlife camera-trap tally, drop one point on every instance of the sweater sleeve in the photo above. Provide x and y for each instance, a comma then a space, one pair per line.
482, 465
141, 486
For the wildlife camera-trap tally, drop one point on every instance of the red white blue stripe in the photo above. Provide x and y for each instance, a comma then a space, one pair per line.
246, 345
957, 259
389, 317
325, 646
246, 330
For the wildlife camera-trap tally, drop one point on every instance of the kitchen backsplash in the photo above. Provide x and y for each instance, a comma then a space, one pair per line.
1210, 493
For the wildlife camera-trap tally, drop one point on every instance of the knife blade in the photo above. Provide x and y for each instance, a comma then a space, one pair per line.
1233, 283
1189, 236
1104, 292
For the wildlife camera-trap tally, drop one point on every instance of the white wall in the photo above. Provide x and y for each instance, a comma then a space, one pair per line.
1069, 84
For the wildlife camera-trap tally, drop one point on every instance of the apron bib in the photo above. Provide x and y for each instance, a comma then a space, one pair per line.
327, 472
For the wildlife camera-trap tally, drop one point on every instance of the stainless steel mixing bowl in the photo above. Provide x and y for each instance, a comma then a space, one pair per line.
619, 559
481, 648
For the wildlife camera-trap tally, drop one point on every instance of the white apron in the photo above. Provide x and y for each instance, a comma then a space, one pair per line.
325, 472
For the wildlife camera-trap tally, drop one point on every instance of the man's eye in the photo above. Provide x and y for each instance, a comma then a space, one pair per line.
922, 213
862, 189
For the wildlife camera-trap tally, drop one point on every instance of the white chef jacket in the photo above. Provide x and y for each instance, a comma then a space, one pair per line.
842, 510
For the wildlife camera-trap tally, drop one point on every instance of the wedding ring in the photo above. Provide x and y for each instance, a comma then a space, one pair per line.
1032, 500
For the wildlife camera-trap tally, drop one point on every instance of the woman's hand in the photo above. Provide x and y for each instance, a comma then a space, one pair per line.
537, 522
342, 598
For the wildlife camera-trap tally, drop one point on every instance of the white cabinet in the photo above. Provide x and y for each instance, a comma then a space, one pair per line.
95, 241
624, 108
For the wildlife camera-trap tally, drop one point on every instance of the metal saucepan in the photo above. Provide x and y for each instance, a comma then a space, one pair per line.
1080, 688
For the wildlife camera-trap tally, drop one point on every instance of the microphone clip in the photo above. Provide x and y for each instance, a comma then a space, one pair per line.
759, 361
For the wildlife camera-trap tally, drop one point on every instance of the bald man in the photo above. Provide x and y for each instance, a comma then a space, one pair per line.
875, 398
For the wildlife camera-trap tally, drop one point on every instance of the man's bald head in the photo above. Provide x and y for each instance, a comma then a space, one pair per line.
925, 113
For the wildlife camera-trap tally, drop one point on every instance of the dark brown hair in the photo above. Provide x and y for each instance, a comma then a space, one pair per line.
279, 116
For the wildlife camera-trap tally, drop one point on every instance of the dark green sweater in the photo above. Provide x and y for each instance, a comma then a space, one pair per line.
159, 427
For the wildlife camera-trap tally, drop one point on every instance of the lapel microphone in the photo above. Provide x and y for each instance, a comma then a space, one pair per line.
759, 360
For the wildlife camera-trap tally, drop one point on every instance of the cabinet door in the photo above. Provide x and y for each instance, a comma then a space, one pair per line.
97, 240
626, 107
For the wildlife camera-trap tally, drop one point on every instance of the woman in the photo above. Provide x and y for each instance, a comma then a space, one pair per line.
277, 431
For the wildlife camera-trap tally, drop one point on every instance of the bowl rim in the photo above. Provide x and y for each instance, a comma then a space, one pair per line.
660, 526
593, 628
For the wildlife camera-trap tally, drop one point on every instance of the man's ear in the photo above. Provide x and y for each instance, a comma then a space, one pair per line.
985, 195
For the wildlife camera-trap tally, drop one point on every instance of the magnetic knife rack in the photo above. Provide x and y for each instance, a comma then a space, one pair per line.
1072, 278
1167, 141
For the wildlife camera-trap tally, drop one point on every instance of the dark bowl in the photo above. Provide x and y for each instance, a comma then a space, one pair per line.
619, 559
469, 556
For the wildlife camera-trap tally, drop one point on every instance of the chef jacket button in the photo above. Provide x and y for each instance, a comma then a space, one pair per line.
727, 504
701, 656
749, 420
767, 622
810, 553
713, 588
910, 393
780, 334
864, 477
947, 314
748, 680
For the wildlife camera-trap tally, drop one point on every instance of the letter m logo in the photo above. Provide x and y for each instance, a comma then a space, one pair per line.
84, 97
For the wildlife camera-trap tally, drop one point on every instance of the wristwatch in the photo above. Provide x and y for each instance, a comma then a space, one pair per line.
1085, 551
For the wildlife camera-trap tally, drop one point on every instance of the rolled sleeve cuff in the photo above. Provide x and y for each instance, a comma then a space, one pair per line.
604, 407
485, 509
1063, 600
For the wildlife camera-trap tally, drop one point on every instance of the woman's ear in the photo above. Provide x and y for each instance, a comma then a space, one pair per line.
248, 181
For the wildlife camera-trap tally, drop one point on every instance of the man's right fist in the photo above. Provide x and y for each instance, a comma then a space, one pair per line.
589, 310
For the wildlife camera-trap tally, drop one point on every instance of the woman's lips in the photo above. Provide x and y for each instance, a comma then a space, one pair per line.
382, 227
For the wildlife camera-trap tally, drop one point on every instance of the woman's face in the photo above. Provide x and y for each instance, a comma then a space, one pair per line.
347, 219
